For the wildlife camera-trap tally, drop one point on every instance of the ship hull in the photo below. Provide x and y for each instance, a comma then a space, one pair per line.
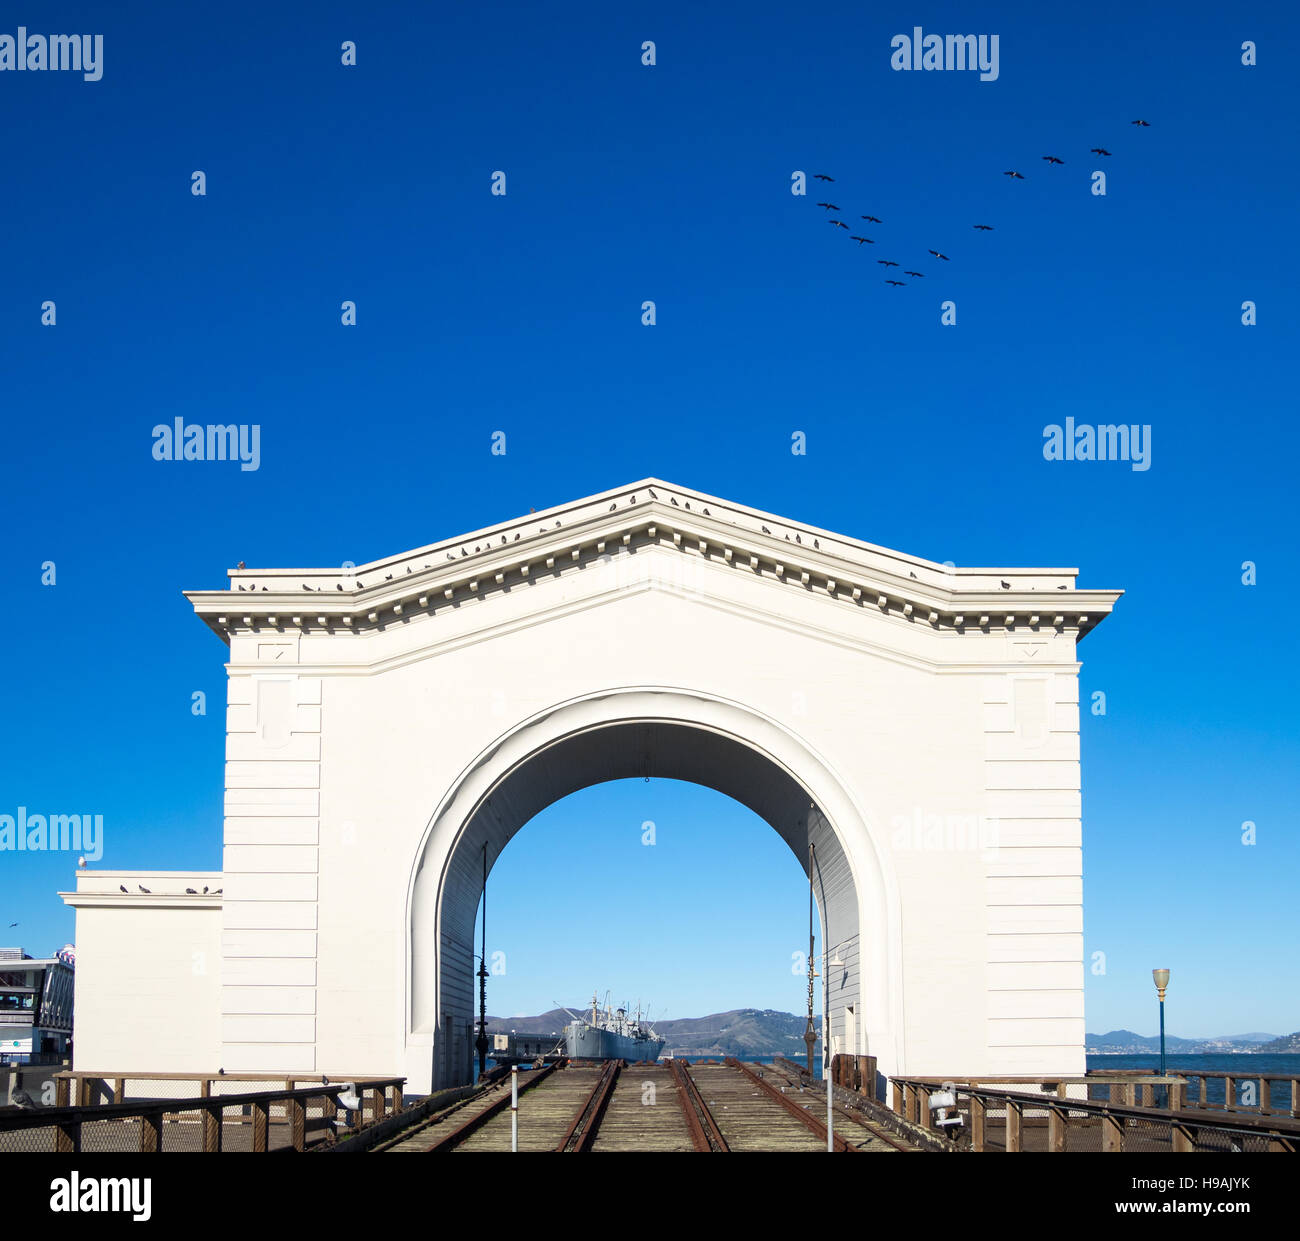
587, 1042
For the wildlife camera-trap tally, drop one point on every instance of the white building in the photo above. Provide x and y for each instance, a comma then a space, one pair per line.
36, 997
918, 723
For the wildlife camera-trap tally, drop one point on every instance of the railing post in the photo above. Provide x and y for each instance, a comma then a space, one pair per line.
1014, 1118
397, 1097
67, 1138
1177, 1096
977, 1116
261, 1126
1295, 1096
1229, 1094
297, 1124
62, 1084
923, 1107
1265, 1096
1112, 1133
119, 1090
151, 1131
211, 1120
1056, 1122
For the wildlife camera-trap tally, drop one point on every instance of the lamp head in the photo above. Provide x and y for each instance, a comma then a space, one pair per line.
1162, 981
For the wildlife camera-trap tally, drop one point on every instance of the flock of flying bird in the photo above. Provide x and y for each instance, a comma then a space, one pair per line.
836, 222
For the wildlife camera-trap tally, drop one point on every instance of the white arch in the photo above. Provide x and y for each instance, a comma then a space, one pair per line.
581, 730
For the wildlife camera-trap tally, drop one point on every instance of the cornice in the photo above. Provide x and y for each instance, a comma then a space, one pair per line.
649, 514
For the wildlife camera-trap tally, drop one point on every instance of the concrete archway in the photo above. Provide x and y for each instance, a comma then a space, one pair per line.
918, 721
651, 732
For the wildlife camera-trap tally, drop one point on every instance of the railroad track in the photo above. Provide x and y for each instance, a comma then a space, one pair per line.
853, 1125
582, 1107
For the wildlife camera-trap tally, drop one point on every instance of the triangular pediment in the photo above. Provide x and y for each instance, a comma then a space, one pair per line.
647, 512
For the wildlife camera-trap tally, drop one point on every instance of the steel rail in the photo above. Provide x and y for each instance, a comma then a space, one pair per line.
462, 1131
801, 1113
872, 1126
591, 1112
705, 1134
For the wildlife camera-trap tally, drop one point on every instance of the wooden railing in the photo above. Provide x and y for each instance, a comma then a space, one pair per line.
210, 1122
1276, 1094
1060, 1121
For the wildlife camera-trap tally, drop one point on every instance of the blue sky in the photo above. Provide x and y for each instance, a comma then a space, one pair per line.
522, 313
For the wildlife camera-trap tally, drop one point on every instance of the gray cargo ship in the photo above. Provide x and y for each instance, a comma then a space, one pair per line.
611, 1035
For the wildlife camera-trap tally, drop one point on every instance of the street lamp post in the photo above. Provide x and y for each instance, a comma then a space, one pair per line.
1162, 981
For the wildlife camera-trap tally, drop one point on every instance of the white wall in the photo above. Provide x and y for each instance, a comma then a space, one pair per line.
148, 976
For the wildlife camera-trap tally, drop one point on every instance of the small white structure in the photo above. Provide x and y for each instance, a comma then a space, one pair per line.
918, 723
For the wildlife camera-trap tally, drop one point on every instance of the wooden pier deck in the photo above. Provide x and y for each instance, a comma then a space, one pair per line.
613, 1107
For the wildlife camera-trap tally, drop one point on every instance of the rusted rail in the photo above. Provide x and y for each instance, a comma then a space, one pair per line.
801, 1113
705, 1134
796, 1075
582, 1132
481, 1117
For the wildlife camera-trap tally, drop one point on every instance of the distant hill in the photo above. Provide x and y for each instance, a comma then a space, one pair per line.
1128, 1043
1283, 1045
740, 1032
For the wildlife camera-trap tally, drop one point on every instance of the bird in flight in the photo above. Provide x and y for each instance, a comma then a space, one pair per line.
829, 206
937, 255
1018, 176
861, 240
821, 176
886, 263
984, 228
838, 223
871, 219
920, 275
1051, 159
1100, 151
897, 283
1144, 124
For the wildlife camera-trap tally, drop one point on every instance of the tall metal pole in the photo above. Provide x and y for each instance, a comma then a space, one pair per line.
1161, 977
514, 1107
481, 1043
1162, 1034
826, 1005
810, 1030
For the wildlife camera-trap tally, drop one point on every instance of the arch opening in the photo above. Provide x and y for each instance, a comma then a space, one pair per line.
583, 744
